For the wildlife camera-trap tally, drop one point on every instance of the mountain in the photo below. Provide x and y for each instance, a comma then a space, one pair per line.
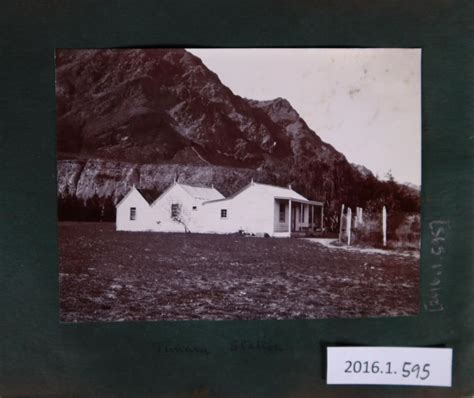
148, 105
146, 116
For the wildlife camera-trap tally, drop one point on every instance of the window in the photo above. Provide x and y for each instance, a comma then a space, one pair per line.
175, 210
302, 212
310, 216
282, 212
133, 213
223, 213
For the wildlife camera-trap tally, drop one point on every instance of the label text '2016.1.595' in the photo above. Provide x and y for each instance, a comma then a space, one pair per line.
408, 369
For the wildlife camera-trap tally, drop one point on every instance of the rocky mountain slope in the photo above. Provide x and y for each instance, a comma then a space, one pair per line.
145, 117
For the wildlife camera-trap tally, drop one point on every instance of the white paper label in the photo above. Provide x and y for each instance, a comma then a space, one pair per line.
390, 365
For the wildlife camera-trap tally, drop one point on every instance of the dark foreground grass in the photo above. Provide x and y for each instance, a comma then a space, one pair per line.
111, 276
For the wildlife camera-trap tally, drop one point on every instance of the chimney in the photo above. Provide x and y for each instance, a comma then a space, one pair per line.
212, 186
289, 186
251, 180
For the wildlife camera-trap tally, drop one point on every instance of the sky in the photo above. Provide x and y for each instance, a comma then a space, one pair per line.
364, 102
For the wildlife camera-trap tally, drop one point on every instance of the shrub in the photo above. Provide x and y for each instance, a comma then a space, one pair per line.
403, 230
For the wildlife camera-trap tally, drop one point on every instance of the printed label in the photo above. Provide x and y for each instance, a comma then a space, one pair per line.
390, 365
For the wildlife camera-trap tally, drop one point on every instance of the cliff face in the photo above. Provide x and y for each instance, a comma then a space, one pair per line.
145, 117
85, 179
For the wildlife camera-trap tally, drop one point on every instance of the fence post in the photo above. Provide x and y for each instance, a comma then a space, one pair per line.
358, 217
322, 218
349, 220
340, 223
384, 225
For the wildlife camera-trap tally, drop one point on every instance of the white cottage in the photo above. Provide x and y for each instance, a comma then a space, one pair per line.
256, 209
133, 212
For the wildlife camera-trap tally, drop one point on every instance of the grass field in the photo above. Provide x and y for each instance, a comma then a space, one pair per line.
111, 276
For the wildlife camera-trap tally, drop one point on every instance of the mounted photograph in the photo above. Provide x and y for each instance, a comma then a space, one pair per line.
238, 184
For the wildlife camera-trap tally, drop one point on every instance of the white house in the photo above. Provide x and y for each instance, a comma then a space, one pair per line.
255, 209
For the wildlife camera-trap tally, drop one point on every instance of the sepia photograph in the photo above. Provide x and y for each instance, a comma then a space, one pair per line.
238, 184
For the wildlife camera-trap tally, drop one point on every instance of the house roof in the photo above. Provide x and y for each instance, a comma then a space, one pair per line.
148, 194
273, 190
305, 201
209, 195
281, 192
202, 193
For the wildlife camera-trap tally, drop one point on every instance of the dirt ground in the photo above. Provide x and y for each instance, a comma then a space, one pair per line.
115, 276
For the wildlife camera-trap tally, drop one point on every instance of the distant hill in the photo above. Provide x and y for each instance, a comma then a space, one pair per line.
144, 117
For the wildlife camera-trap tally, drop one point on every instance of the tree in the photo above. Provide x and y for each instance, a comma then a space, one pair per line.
389, 176
180, 215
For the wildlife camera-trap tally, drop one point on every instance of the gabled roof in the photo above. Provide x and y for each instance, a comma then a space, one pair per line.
201, 192
148, 194
273, 190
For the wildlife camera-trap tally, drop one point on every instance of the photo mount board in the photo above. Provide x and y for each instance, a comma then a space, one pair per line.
41, 357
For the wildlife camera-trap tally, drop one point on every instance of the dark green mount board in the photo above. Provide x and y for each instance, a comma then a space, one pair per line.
39, 357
